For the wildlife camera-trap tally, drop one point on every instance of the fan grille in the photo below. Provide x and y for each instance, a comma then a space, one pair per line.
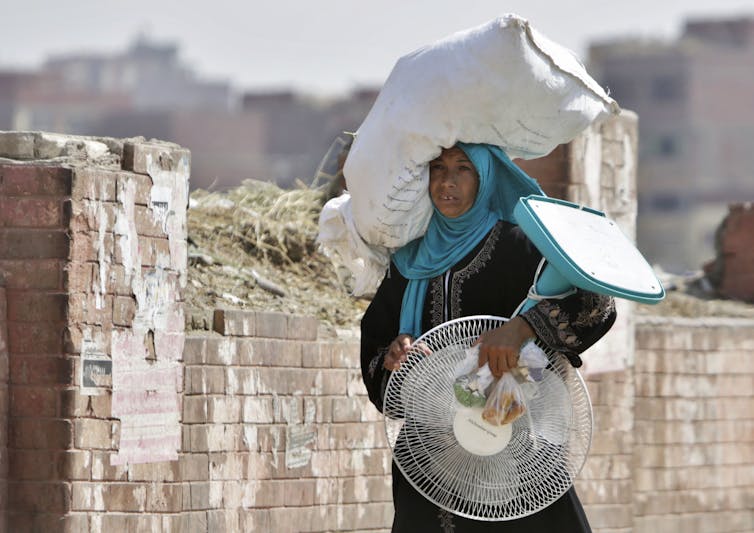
547, 449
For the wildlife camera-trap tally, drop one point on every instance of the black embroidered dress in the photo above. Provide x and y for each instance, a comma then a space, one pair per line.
491, 280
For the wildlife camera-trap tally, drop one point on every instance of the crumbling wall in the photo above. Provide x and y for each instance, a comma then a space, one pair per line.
93, 250
694, 425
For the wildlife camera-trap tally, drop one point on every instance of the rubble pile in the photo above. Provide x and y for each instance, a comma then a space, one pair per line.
254, 247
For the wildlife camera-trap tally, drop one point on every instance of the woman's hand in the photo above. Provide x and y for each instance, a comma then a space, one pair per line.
500, 347
397, 351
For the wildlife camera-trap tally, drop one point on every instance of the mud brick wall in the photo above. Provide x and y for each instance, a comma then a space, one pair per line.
694, 426
92, 253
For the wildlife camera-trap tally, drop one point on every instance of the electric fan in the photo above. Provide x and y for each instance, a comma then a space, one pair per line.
448, 452
467, 466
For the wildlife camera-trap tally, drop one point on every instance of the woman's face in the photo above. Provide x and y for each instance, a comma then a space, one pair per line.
453, 182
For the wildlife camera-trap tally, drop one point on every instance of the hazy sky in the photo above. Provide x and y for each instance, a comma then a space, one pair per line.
321, 46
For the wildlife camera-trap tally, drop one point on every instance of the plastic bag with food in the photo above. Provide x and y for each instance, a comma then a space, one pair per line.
507, 398
470, 387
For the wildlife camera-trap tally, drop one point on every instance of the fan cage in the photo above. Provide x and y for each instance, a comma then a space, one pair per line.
547, 449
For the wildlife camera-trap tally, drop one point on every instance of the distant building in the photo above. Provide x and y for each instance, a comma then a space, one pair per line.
146, 91
695, 100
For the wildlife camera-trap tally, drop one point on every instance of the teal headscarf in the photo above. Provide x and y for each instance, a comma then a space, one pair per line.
448, 240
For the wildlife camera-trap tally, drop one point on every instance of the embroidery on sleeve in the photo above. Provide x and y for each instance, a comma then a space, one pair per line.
596, 309
552, 325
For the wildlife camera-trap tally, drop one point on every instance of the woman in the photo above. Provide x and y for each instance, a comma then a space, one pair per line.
473, 260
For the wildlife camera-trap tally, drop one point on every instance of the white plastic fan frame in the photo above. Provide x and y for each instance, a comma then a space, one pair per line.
544, 452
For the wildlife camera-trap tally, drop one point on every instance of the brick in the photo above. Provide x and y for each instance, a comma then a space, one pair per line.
164, 497
40, 370
274, 352
147, 223
221, 351
93, 183
32, 306
224, 409
118, 282
344, 354
259, 410
194, 467
33, 401
200, 495
314, 356
33, 244
78, 276
86, 308
302, 327
195, 522
39, 496
73, 465
227, 466
271, 325
222, 520
155, 252
31, 212
137, 155
75, 404
142, 187
164, 471
604, 516
195, 410
30, 337
92, 216
124, 311
85, 246
34, 180
204, 380
28, 465
194, 349
365, 489
40, 433
232, 322
103, 470
93, 433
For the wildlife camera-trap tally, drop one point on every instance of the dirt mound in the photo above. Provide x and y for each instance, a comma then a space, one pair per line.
254, 247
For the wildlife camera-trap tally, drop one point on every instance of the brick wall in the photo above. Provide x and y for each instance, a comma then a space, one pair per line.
281, 430
34, 213
92, 251
694, 426
732, 272
263, 425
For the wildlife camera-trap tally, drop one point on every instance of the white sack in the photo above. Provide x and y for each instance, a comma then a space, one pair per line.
501, 83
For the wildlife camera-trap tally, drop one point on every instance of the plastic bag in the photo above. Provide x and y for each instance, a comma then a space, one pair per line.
471, 386
506, 401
